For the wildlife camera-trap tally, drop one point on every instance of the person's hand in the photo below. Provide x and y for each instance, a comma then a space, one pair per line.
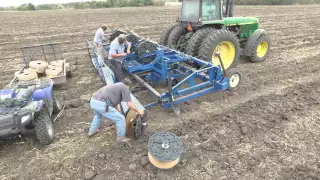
124, 54
128, 51
141, 112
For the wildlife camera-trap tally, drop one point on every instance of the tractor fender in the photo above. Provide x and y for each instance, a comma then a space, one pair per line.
251, 41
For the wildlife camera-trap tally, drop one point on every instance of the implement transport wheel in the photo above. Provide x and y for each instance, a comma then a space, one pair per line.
164, 150
196, 40
165, 34
222, 41
175, 36
43, 127
260, 49
234, 77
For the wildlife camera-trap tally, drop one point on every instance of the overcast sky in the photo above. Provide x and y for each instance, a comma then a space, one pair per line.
5, 3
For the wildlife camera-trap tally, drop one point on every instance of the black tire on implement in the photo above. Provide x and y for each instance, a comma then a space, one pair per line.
254, 56
196, 40
175, 35
208, 46
43, 127
165, 34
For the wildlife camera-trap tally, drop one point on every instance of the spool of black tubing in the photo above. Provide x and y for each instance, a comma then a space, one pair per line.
164, 150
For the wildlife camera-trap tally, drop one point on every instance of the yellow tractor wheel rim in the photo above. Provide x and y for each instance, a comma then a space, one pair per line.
262, 49
227, 54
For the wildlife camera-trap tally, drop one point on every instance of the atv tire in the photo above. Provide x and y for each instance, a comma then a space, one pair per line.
43, 127
57, 105
196, 40
225, 42
261, 48
175, 36
165, 34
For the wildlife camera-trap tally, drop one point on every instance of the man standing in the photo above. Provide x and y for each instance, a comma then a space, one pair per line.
99, 38
106, 103
117, 55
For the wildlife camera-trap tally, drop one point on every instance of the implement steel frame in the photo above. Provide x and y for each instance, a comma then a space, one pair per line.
170, 65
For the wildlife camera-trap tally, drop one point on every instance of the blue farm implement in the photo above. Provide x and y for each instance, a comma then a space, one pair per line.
152, 65
186, 77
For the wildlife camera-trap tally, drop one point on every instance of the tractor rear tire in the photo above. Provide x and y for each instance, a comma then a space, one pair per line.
261, 48
44, 127
175, 35
196, 40
227, 43
165, 34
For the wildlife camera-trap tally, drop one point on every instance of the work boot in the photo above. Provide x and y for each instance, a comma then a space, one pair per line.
123, 139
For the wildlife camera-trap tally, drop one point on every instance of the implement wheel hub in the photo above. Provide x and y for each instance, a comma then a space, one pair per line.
164, 150
227, 53
262, 49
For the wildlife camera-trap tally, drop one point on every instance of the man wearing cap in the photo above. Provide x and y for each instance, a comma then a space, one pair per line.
99, 38
106, 102
117, 54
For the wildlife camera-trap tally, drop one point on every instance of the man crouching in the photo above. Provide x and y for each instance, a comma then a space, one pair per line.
106, 103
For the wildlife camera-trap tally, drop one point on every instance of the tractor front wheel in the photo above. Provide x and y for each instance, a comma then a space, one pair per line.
226, 44
260, 49
175, 35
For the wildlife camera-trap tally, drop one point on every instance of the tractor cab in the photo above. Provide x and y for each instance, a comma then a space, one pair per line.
198, 11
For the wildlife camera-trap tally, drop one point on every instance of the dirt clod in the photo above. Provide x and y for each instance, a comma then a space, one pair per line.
184, 161
89, 175
149, 167
144, 160
101, 156
99, 177
132, 167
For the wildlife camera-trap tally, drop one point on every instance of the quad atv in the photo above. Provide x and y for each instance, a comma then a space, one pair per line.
28, 106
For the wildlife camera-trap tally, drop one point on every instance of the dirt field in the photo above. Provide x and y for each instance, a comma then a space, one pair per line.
268, 129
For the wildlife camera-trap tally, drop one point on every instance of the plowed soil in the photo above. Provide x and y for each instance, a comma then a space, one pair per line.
268, 128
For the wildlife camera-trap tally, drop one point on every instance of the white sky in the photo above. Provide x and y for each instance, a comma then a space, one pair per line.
5, 3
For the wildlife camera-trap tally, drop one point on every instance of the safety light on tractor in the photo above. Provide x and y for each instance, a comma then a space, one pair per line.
189, 27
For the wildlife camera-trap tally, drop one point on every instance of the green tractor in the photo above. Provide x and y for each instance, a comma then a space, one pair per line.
206, 27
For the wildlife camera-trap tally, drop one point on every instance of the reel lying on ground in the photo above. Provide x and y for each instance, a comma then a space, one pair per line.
164, 150
135, 124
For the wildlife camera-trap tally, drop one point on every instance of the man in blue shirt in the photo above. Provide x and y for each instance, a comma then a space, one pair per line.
117, 54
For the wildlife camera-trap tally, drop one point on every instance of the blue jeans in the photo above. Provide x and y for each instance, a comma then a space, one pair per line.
99, 109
